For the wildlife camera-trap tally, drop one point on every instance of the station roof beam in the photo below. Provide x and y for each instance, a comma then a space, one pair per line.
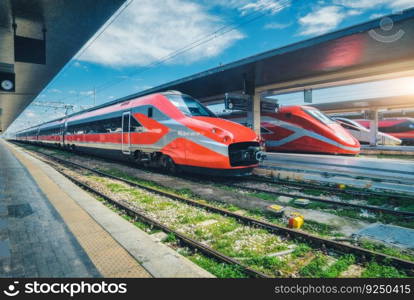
62, 27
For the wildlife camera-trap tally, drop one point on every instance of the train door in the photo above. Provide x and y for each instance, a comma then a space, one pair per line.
64, 132
126, 133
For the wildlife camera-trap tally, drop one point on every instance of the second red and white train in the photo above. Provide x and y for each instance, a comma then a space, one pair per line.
302, 129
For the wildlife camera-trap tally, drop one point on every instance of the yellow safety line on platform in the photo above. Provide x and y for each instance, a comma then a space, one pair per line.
110, 258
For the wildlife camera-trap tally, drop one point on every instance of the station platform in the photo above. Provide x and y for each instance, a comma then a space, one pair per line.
388, 150
362, 172
49, 227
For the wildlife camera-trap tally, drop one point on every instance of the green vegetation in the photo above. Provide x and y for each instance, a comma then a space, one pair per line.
386, 250
300, 250
318, 267
341, 265
313, 192
225, 234
315, 267
171, 238
218, 269
374, 270
320, 228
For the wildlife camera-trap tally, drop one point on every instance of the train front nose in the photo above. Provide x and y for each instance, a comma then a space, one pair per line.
245, 154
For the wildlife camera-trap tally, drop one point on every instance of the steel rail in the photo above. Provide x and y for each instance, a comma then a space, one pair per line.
331, 189
132, 211
362, 255
254, 178
340, 203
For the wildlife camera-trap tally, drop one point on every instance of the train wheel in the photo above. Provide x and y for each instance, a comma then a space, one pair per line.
169, 165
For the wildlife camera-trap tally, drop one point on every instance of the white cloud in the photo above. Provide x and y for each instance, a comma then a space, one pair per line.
375, 16
272, 6
147, 31
369, 4
326, 18
244, 6
276, 25
321, 20
86, 93
353, 12
30, 114
77, 64
55, 91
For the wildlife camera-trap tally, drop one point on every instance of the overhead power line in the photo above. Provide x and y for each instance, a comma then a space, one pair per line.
212, 36
200, 41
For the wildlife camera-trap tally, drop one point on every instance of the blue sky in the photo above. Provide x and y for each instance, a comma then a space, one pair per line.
147, 31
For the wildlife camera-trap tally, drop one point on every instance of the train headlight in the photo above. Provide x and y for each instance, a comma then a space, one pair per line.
7, 85
214, 130
226, 139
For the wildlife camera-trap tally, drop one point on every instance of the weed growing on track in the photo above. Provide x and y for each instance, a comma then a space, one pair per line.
374, 270
386, 250
218, 269
318, 268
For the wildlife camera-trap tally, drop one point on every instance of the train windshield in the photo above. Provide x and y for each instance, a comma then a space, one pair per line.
190, 107
318, 115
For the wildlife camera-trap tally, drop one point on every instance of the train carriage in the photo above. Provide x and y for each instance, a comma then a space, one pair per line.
401, 128
170, 130
303, 129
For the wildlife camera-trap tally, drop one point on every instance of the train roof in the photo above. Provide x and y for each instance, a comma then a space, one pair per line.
107, 104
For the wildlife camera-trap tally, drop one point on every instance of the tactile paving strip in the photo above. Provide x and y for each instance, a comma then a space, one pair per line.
108, 256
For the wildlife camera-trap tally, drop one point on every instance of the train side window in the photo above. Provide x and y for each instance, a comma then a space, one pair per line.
116, 124
107, 125
264, 130
135, 125
346, 126
150, 112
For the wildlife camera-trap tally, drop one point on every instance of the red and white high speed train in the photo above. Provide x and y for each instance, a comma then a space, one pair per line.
402, 128
303, 129
169, 130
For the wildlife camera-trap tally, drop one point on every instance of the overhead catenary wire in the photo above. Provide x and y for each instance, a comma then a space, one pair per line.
212, 36
89, 43
209, 37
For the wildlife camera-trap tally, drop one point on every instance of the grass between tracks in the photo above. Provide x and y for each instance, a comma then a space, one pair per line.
254, 247
318, 228
218, 269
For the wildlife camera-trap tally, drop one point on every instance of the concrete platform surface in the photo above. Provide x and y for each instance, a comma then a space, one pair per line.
389, 234
155, 259
34, 240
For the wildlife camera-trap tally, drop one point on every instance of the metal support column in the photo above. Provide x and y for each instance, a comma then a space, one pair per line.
256, 113
373, 127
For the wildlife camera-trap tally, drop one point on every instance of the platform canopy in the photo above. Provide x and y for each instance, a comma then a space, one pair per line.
360, 53
379, 103
48, 34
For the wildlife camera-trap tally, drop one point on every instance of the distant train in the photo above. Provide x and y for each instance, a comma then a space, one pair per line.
363, 134
169, 130
302, 129
402, 128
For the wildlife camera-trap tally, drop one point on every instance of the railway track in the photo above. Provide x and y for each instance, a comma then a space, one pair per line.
389, 171
135, 213
322, 200
300, 185
351, 192
362, 255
